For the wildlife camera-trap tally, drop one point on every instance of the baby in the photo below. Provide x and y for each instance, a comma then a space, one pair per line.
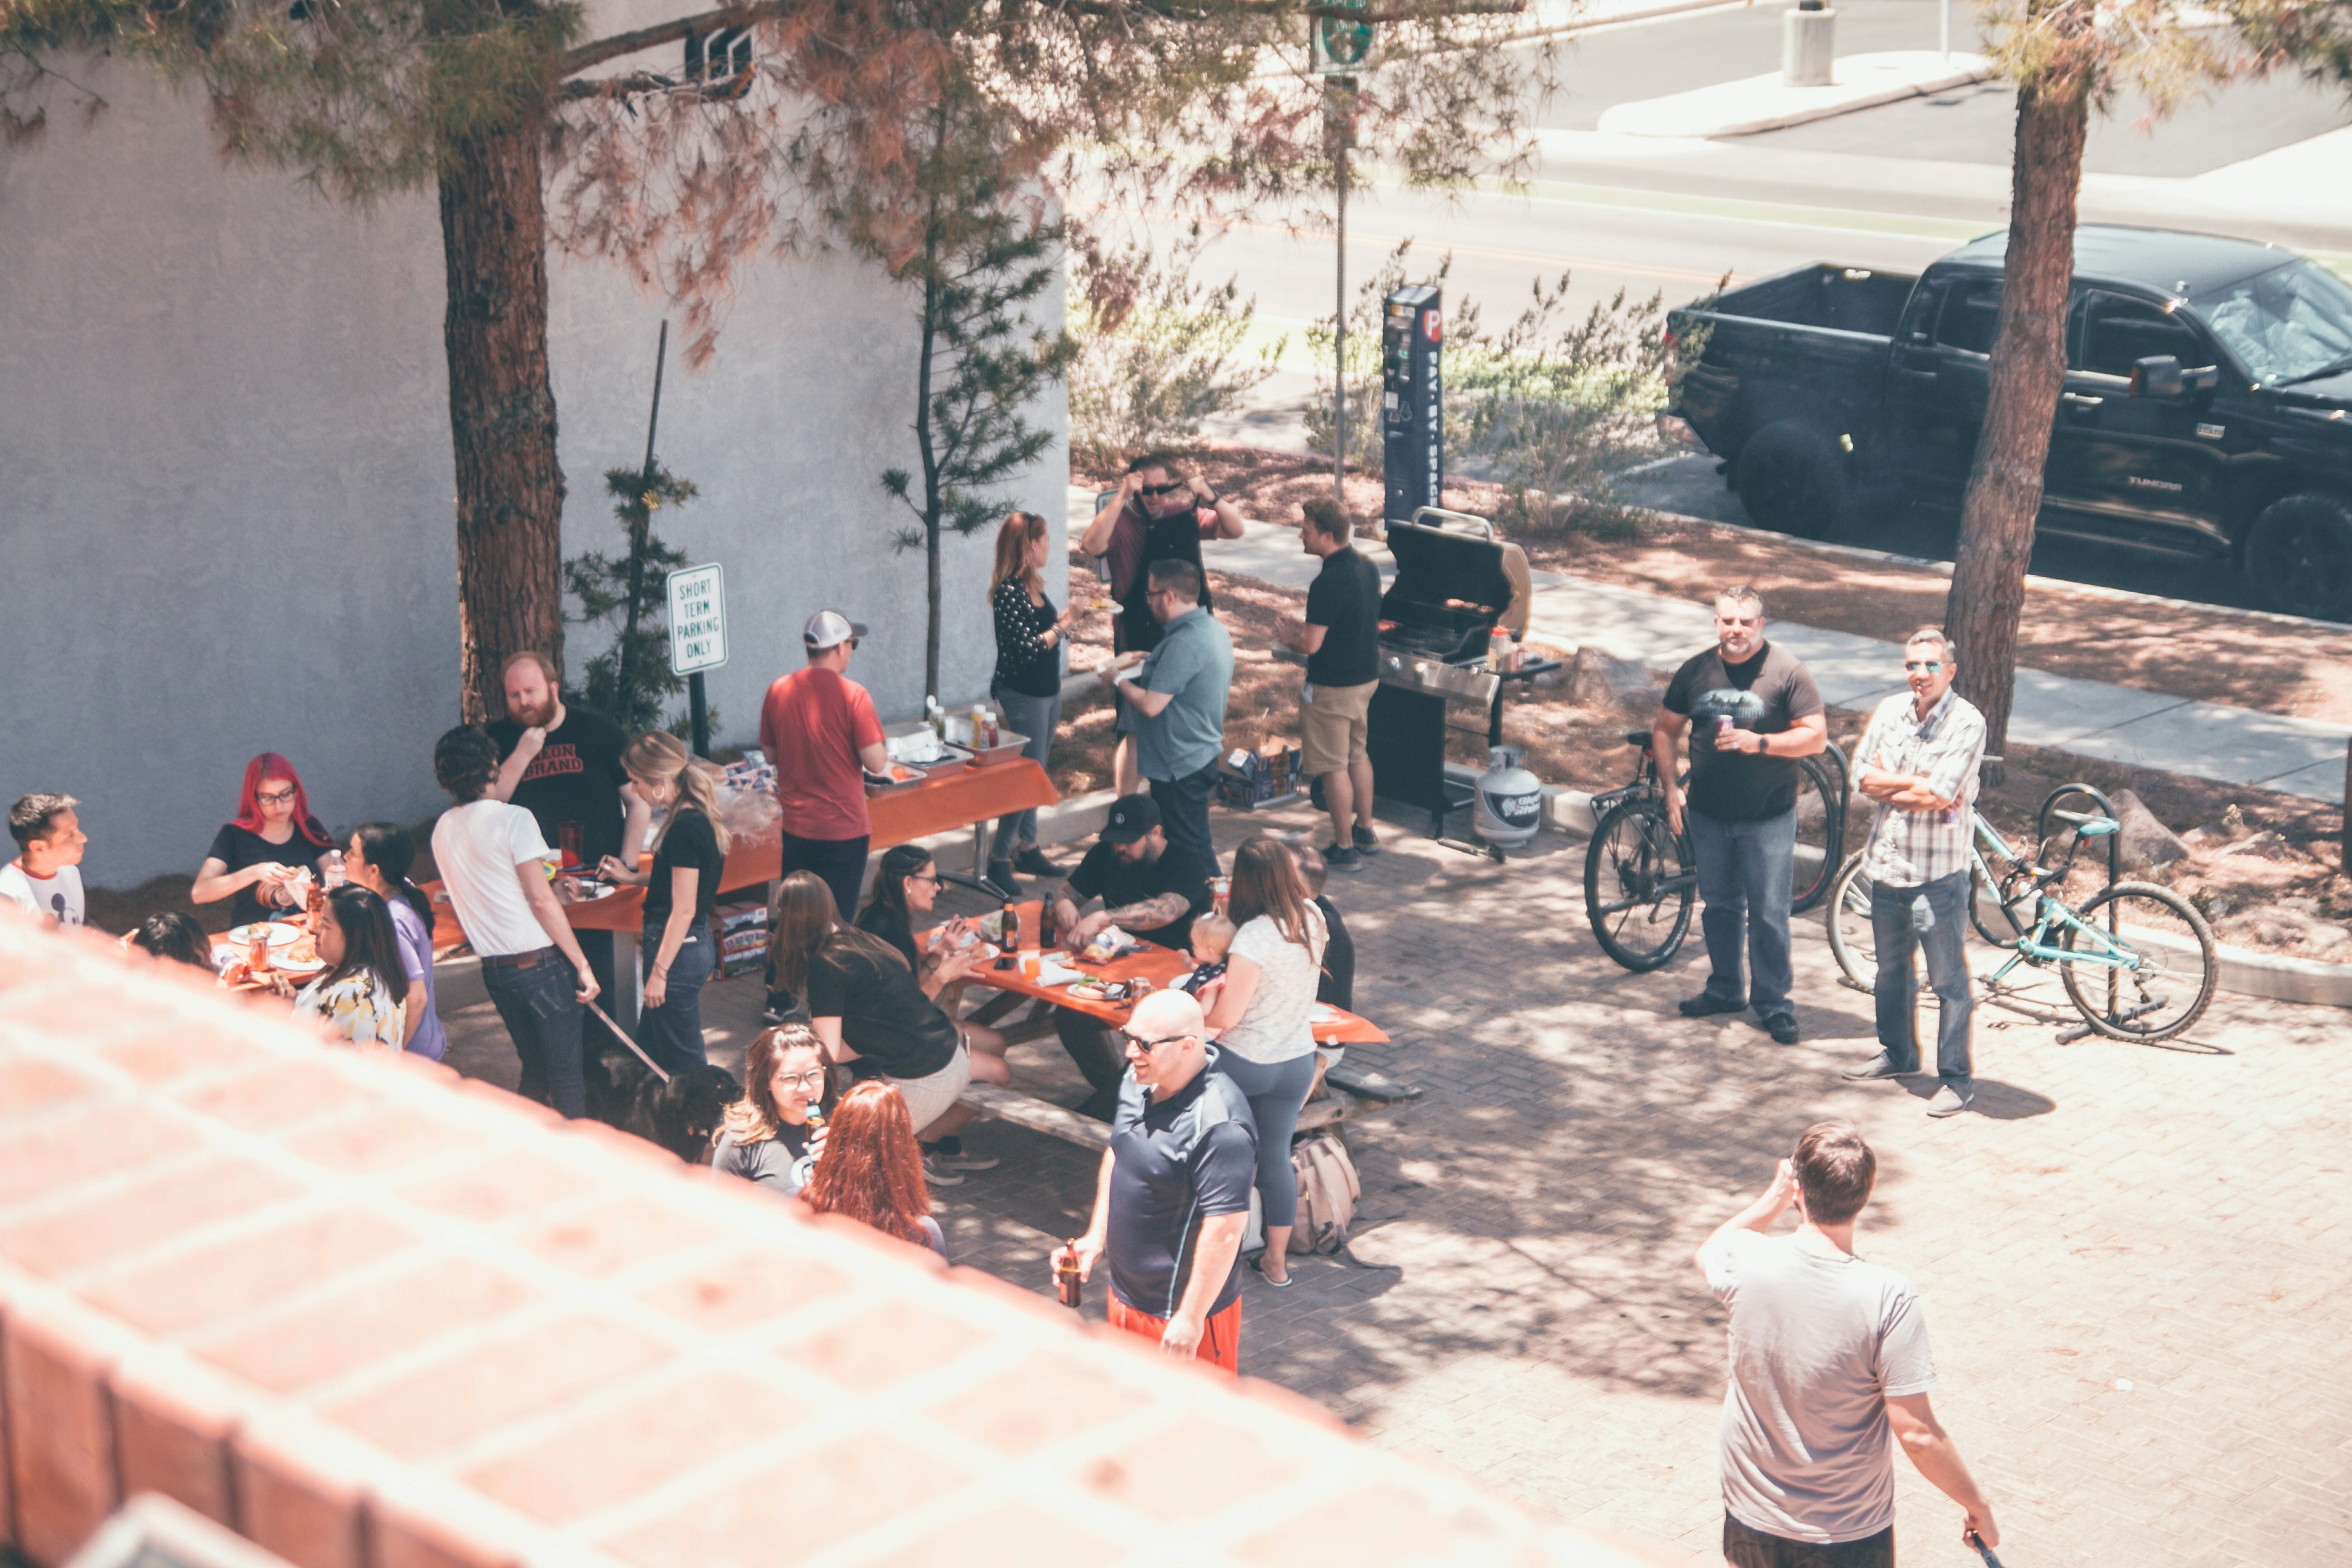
1212, 936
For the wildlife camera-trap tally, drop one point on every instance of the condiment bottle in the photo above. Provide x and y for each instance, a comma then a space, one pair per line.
1497, 642
1066, 1279
257, 954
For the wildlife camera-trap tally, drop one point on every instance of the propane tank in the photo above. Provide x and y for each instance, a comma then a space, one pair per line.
1508, 805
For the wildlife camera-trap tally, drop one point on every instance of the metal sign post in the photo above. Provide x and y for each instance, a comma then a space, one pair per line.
1339, 47
698, 638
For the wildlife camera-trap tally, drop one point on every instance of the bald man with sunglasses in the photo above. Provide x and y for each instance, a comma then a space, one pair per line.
1174, 1193
1919, 761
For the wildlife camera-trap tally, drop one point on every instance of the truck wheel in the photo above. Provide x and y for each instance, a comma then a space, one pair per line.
1790, 480
2300, 555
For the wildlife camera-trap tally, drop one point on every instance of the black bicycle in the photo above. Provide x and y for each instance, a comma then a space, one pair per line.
1640, 878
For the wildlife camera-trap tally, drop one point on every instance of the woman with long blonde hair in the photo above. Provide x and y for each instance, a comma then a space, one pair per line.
689, 855
1028, 684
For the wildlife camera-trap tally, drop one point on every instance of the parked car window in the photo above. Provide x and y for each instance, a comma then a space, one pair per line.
2286, 324
1971, 311
2117, 333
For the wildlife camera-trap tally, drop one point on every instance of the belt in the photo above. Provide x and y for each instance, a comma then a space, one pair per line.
518, 960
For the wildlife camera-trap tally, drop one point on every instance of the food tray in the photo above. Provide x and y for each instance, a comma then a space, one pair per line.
1008, 746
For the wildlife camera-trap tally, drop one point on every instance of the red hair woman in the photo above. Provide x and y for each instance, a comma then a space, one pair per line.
258, 859
872, 1169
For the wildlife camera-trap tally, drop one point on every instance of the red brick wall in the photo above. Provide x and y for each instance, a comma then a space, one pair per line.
371, 1316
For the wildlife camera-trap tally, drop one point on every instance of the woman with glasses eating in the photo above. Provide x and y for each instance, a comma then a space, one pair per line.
765, 1136
257, 861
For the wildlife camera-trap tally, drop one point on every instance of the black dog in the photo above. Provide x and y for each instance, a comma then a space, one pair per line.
682, 1115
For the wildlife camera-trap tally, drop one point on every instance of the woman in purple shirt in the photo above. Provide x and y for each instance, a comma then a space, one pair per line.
379, 855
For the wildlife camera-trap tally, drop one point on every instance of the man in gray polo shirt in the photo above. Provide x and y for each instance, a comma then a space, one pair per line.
1829, 1370
1179, 699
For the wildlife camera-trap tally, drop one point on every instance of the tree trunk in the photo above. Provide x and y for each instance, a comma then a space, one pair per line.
2027, 373
501, 410
933, 508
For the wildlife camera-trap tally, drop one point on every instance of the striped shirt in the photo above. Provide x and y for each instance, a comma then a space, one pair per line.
1909, 847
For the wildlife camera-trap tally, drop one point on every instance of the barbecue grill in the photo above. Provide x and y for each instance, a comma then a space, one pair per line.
1449, 593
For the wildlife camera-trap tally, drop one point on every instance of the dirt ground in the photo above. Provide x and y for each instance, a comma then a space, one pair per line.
2186, 650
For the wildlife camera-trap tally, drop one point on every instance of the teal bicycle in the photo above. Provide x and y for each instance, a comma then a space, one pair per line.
2137, 959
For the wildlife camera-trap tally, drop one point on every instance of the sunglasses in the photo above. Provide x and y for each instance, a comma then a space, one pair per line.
1162, 490
930, 877
282, 797
1140, 1042
1922, 665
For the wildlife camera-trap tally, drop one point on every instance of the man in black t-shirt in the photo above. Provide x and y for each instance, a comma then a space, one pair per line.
1149, 889
1174, 1194
1339, 635
563, 764
1751, 710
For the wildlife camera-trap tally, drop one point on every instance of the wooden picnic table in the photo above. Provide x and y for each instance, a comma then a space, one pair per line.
973, 797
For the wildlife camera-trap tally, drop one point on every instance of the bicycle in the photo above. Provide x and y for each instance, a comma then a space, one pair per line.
1640, 876
2127, 956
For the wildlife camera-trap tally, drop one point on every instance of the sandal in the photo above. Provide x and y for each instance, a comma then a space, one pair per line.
1257, 1265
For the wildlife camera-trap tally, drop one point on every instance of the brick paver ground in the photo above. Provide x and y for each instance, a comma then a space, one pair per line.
2133, 1257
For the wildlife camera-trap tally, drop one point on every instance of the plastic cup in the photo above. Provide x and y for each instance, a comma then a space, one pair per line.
1031, 962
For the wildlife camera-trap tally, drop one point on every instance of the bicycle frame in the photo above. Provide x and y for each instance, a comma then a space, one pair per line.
2032, 942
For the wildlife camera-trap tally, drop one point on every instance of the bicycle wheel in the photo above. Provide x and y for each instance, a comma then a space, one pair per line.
1638, 884
1852, 939
2161, 971
1821, 829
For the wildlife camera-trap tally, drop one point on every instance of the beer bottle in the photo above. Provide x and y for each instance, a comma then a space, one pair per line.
1045, 921
1066, 1276
1009, 927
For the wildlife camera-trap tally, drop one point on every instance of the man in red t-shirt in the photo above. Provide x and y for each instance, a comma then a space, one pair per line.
819, 729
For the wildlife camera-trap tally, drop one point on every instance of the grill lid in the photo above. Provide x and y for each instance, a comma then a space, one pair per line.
1436, 564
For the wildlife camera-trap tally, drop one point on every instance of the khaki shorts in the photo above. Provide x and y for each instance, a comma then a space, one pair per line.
1333, 722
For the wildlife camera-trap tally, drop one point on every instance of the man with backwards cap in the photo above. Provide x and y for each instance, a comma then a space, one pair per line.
1151, 889
1173, 1197
819, 728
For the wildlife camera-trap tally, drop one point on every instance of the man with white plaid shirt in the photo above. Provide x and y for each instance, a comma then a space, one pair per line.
1919, 761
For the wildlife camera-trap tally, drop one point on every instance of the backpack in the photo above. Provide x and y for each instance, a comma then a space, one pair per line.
1328, 1190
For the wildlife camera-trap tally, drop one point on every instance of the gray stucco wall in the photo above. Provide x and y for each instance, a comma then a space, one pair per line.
227, 521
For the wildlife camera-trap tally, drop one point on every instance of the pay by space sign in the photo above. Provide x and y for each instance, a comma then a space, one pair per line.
697, 619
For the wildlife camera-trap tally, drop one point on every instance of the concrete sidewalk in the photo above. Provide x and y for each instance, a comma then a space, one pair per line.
1767, 103
2122, 725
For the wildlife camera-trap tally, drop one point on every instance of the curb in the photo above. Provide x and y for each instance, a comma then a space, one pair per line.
1679, 115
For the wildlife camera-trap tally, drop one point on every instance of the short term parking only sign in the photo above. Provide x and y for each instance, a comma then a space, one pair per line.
697, 619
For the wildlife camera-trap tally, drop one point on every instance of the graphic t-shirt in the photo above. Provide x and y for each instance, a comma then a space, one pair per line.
686, 842
1345, 601
1765, 695
779, 1163
812, 726
237, 847
896, 1030
55, 897
1118, 883
1818, 1344
576, 777
1174, 1163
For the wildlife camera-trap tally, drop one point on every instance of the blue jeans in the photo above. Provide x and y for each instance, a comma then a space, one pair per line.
1275, 1090
1038, 718
1747, 875
672, 1033
1934, 918
1184, 810
541, 1008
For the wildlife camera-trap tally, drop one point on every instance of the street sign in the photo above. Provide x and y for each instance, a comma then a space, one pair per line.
697, 619
1340, 43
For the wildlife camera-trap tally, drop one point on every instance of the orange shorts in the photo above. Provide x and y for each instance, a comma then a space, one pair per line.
1220, 1336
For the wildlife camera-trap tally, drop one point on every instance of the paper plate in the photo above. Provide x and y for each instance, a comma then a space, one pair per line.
280, 934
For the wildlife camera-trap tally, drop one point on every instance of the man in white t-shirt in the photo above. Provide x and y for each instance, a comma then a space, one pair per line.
493, 860
1829, 1368
44, 879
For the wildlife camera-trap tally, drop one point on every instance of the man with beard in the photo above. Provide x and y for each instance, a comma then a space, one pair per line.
563, 764
1157, 515
1751, 710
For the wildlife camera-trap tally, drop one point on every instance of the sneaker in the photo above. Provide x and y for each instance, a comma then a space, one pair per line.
999, 875
1880, 1066
936, 1171
1342, 857
1783, 1027
1032, 862
1706, 1005
1950, 1101
1367, 841
948, 1154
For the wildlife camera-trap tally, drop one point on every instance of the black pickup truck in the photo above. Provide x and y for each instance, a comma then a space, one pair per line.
2207, 412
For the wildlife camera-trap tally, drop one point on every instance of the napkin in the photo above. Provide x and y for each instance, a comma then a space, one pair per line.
1052, 973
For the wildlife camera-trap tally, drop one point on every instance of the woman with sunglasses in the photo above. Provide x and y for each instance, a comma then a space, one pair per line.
258, 859
765, 1136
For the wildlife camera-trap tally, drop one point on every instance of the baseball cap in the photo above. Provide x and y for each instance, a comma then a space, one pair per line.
829, 628
1131, 816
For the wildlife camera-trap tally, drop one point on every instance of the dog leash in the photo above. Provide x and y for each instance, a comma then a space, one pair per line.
625, 1040
1982, 1550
